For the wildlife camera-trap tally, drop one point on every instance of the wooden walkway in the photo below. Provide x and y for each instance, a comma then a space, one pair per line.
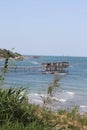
49, 67
21, 67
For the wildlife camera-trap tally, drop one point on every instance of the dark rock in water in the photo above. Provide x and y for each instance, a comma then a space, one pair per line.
35, 56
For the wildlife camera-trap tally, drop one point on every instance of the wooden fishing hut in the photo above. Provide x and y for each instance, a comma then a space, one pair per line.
52, 67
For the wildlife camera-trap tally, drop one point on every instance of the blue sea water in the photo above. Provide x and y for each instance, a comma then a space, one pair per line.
73, 86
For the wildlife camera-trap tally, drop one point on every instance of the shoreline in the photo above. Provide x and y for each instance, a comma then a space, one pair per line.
55, 104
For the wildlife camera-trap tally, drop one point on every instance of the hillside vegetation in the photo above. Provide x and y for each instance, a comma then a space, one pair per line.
5, 52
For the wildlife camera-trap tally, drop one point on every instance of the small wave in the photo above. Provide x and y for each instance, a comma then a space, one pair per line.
44, 96
63, 74
34, 62
36, 94
82, 106
70, 93
62, 100
33, 94
37, 101
59, 99
83, 109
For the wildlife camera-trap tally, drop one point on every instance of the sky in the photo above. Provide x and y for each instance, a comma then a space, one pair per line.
44, 27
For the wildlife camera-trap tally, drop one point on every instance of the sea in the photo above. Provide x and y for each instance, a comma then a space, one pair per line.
72, 89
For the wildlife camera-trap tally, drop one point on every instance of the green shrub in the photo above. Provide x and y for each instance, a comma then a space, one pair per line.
16, 113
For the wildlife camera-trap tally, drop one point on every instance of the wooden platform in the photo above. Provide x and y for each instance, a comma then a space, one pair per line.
53, 67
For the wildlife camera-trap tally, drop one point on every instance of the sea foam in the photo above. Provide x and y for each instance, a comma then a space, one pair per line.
70, 93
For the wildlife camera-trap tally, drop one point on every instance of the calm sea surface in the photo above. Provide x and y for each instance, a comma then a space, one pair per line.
73, 86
